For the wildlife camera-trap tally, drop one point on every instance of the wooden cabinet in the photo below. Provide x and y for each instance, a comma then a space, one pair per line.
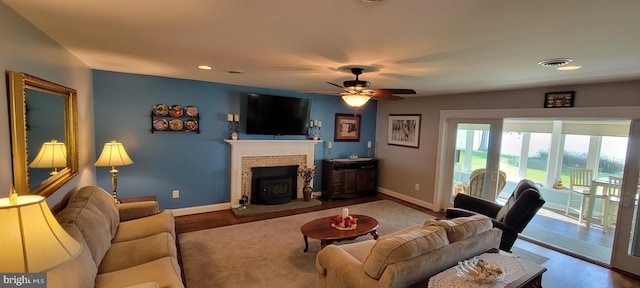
349, 179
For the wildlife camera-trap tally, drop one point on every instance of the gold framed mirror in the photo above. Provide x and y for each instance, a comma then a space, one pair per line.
44, 145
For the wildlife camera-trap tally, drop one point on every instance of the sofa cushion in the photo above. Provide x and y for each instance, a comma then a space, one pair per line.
78, 272
93, 211
145, 226
127, 254
164, 271
400, 247
464, 227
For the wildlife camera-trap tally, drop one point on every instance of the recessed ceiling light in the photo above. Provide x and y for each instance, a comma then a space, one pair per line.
205, 67
555, 62
569, 68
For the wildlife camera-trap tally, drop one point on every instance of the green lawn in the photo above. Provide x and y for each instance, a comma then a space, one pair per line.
536, 170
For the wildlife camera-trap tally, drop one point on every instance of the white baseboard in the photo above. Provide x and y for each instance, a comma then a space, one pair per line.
410, 199
227, 205
201, 209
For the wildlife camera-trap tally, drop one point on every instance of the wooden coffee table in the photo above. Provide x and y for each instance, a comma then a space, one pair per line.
321, 229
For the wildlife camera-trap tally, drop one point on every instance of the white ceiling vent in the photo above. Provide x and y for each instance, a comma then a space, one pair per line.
554, 63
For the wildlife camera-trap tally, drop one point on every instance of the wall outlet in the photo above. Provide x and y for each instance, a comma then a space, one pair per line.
176, 194
417, 187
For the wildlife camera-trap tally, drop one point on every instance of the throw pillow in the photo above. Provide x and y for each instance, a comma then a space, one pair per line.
464, 227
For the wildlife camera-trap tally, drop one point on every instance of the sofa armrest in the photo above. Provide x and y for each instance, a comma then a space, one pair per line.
129, 211
333, 261
145, 285
477, 205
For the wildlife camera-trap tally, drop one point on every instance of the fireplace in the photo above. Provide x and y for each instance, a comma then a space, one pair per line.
274, 185
246, 154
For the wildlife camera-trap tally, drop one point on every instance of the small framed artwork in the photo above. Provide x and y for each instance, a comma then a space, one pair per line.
404, 130
558, 99
347, 127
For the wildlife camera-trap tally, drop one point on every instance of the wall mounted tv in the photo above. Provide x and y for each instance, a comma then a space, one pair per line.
277, 115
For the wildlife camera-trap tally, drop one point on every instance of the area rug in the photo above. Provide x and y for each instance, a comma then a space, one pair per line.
269, 253
263, 209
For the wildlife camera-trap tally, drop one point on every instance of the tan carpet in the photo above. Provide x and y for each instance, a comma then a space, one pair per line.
269, 253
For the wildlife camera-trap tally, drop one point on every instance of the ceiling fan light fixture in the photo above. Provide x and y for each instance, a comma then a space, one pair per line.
355, 100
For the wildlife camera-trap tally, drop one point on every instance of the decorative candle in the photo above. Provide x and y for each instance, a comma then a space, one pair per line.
345, 212
229, 117
13, 195
319, 124
311, 123
236, 117
368, 144
329, 145
315, 123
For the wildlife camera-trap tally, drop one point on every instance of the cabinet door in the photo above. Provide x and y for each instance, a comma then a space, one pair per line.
336, 182
349, 181
372, 179
362, 180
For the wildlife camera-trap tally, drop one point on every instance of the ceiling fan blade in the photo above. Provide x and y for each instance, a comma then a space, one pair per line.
334, 84
383, 94
399, 91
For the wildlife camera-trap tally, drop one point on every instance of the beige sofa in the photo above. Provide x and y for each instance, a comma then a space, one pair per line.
124, 245
405, 257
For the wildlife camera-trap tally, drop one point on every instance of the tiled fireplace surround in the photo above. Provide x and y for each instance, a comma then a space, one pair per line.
246, 154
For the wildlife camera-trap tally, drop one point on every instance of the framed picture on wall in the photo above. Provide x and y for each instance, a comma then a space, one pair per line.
347, 127
404, 130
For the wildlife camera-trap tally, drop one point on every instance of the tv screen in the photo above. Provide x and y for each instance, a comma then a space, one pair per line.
277, 115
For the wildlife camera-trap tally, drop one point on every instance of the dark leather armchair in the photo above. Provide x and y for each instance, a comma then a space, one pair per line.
512, 218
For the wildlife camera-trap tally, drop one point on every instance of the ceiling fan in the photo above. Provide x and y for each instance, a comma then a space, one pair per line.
357, 92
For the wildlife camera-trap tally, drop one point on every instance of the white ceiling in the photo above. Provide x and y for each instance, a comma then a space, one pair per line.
433, 46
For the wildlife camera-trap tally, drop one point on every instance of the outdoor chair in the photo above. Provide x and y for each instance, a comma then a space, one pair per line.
511, 218
580, 181
476, 182
613, 200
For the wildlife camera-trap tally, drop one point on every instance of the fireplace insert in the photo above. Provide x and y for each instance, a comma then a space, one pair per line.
274, 185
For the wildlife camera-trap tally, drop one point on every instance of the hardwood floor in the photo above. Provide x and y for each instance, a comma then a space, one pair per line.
563, 270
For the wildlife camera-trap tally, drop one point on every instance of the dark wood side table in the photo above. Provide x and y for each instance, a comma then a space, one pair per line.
533, 278
321, 229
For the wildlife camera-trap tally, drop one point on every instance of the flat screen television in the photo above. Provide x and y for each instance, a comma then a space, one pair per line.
277, 115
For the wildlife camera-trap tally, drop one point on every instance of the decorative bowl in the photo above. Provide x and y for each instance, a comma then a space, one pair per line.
480, 271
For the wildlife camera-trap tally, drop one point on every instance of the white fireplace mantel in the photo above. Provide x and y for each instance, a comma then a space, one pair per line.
248, 148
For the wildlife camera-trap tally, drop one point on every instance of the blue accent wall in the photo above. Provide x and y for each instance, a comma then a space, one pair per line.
196, 164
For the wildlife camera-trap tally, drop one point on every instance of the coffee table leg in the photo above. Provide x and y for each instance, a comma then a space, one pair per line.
306, 244
374, 234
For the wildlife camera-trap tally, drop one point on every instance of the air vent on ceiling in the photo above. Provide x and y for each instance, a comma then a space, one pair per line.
554, 63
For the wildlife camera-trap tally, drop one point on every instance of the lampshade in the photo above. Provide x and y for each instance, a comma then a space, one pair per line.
355, 100
52, 155
31, 239
113, 154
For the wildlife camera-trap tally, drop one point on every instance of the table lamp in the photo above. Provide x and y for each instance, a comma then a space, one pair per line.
32, 239
52, 155
113, 154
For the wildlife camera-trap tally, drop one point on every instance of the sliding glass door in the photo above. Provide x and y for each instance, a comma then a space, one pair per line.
626, 246
474, 149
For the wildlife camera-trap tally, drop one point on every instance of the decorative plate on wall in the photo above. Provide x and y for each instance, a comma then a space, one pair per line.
191, 125
175, 111
160, 110
176, 124
191, 111
160, 124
